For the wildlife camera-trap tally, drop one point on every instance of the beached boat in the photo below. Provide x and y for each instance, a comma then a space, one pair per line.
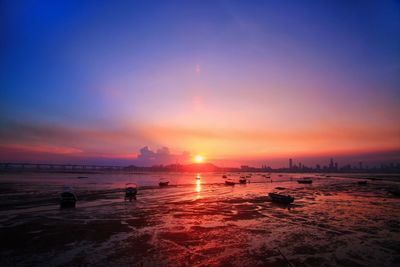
362, 182
131, 190
242, 180
163, 182
305, 180
68, 199
395, 192
282, 199
229, 182
374, 178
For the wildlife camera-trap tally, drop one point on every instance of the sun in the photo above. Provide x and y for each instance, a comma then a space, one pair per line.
198, 159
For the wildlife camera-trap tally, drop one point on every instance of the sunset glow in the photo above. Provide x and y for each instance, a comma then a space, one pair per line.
198, 159
252, 83
200, 133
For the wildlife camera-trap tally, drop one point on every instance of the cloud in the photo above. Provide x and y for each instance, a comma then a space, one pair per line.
148, 157
42, 149
89, 140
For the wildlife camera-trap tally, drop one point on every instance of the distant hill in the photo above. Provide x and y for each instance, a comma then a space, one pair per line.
203, 167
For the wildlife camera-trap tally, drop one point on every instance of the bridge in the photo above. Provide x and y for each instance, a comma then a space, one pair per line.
60, 167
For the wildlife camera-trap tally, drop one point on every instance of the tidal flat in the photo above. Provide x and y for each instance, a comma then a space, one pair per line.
198, 222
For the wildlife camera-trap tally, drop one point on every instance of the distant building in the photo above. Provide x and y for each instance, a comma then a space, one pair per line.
290, 163
331, 165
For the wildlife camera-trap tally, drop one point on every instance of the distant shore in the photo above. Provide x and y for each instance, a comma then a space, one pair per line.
186, 168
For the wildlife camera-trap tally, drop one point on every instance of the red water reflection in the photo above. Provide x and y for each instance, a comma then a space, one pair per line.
332, 222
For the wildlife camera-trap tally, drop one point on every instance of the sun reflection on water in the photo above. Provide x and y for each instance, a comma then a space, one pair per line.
198, 183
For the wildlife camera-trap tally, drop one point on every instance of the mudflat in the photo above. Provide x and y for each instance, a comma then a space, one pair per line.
333, 222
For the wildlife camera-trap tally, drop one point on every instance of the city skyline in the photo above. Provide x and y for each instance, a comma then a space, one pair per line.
200, 166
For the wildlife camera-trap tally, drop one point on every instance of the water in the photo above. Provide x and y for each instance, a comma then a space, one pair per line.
145, 179
198, 222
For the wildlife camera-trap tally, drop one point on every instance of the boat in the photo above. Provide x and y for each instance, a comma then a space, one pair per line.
374, 179
242, 180
224, 176
282, 199
229, 182
82, 177
131, 190
305, 180
362, 182
68, 198
163, 182
395, 192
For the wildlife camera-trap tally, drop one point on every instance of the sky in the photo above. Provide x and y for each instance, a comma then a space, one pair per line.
149, 82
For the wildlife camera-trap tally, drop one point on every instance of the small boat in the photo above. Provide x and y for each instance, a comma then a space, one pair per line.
229, 182
305, 181
395, 192
280, 188
242, 180
82, 177
68, 199
130, 191
282, 199
374, 179
362, 182
224, 176
163, 182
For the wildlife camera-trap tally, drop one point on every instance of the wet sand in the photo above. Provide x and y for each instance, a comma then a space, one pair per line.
333, 222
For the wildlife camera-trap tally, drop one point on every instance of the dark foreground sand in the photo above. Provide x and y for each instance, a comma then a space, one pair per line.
335, 223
